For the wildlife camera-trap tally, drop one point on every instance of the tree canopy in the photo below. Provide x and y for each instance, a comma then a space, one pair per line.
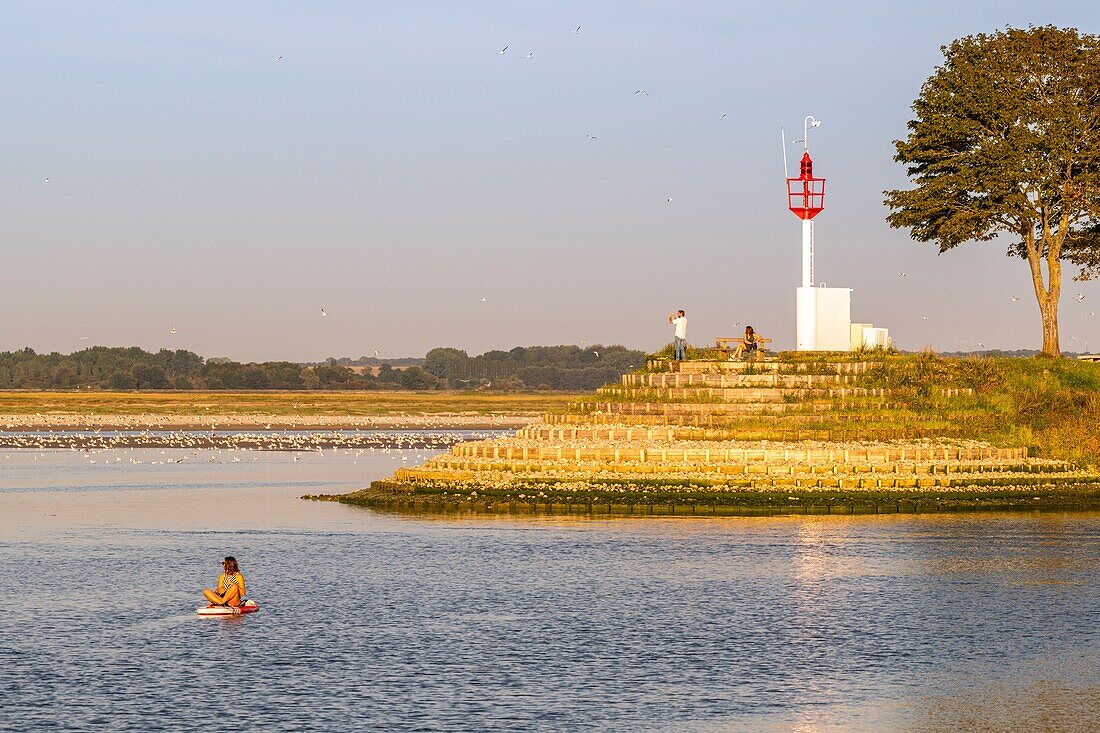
1006, 141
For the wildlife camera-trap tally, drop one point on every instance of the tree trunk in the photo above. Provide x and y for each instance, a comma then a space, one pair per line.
1048, 307
1047, 293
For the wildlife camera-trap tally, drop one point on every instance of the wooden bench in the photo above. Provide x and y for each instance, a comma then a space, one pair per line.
727, 345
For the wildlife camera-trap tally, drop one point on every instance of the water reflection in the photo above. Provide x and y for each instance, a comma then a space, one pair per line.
374, 621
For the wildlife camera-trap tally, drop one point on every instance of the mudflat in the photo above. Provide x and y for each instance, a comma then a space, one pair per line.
185, 410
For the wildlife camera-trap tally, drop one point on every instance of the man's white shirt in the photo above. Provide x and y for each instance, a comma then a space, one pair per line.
681, 325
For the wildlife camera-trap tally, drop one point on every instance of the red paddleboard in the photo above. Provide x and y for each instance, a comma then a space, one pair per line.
248, 606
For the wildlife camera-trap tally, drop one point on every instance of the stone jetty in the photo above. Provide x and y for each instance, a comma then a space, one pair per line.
779, 432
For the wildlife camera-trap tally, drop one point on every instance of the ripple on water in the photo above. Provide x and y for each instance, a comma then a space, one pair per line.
377, 622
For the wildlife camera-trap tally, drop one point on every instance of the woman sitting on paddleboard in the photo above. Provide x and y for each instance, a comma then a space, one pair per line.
230, 590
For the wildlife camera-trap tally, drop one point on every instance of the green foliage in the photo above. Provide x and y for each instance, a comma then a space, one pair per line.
545, 367
1006, 141
1006, 136
554, 367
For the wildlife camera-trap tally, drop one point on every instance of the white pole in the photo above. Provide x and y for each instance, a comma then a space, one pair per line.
783, 144
807, 253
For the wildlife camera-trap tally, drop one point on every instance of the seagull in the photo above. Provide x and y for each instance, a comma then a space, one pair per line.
596, 353
904, 274
376, 353
577, 31
981, 345
278, 59
83, 338
47, 179
530, 56
670, 199
1014, 298
722, 116
323, 312
736, 325
642, 91
173, 329
924, 318
501, 51
483, 300
1080, 297
590, 137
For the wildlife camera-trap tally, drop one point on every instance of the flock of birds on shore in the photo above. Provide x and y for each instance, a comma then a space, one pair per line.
134, 447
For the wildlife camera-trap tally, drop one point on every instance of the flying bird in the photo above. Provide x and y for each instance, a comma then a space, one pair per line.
722, 116
173, 330
590, 137
278, 59
924, 318
501, 51
1014, 298
642, 91
47, 179
1080, 297
530, 56
596, 353
83, 338
577, 31
483, 300
376, 352
904, 274
323, 312
981, 345
670, 199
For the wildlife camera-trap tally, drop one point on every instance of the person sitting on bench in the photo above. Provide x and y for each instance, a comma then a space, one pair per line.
750, 343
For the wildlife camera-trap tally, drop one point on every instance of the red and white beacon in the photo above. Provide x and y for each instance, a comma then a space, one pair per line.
824, 314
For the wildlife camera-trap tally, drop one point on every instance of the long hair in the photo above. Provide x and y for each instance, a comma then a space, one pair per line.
230, 565
749, 331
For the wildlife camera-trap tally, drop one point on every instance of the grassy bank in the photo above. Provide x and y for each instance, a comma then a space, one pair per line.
373, 403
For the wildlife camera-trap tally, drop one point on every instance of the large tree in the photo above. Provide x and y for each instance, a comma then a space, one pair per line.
1006, 141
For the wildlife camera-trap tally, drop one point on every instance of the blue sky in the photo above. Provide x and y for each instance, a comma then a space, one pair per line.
395, 170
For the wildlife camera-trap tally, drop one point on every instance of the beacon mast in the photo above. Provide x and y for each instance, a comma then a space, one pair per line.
823, 314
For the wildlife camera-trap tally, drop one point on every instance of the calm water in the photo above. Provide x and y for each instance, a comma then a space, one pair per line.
370, 621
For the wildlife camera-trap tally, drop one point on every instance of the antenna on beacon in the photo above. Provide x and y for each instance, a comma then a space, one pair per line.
783, 147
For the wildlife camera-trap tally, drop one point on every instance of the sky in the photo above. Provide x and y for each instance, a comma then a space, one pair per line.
425, 190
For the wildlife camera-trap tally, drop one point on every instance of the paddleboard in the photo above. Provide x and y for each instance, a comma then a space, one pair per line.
248, 606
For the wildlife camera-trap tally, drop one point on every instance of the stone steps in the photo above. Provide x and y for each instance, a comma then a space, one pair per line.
581, 470
773, 379
797, 430
754, 394
708, 408
867, 480
761, 425
758, 366
514, 449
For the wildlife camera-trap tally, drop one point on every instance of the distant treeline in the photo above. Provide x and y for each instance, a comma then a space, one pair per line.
534, 367
100, 367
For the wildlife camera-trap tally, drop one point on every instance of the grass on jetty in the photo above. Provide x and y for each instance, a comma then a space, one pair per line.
1052, 406
705, 501
374, 403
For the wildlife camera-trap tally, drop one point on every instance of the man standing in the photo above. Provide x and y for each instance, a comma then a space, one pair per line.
679, 335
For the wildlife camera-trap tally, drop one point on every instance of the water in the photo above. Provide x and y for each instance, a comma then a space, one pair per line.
378, 622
